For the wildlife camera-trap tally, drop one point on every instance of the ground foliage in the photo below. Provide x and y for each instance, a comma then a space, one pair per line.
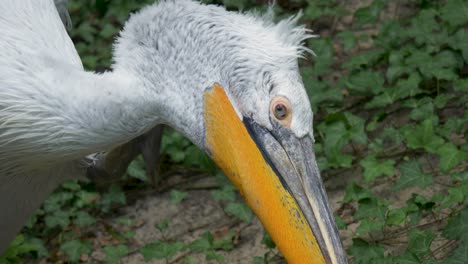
389, 89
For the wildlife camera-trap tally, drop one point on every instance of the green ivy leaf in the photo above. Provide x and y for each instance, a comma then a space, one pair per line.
374, 168
212, 255
115, 253
407, 258
356, 193
90, 62
457, 227
239, 210
461, 85
71, 185
202, 244
320, 92
177, 196
442, 99
444, 74
338, 130
36, 245
325, 55
421, 202
450, 156
363, 59
82, 218
225, 242
227, 193
340, 223
371, 13
355, 127
124, 220
85, 198
422, 112
73, 249
461, 176
365, 83
348, 39
333, 143
381, 100
402, 89
190, 260
374, 122
32, 220
128, 234
197, 158
460, 42
369, 225
371, 208
391, 37
455, 195
260, 260
20, 246
161, 250
454, 12
440, 66
431, 261
57, 200
58, 219
453, 125
317, 9
268, 241
115, 195
420, 242
395, 71
163, 225
393, 134
86, 31
396, 216
136, 169
234, 4
423, 27
364, 252
423, 136
412, 175
108, 31
173, 144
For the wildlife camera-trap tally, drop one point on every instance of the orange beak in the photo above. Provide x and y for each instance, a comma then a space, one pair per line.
277, 175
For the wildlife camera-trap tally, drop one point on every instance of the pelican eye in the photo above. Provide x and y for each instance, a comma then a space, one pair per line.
281, 110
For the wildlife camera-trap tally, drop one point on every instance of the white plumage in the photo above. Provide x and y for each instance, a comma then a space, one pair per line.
53, 113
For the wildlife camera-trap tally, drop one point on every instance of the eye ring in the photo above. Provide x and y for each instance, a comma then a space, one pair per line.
281, 110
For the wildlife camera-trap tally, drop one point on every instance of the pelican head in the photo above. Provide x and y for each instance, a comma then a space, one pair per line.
247, 108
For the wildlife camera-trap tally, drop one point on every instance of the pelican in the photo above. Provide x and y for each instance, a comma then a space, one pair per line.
227, 81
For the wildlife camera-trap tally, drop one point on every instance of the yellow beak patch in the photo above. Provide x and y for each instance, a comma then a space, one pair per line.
238, 156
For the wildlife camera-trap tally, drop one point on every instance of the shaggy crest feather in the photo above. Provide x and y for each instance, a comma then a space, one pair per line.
289, 31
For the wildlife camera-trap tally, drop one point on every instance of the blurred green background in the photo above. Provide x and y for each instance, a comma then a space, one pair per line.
389, 89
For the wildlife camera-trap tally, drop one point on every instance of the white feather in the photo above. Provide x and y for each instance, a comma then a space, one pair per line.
53, 113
